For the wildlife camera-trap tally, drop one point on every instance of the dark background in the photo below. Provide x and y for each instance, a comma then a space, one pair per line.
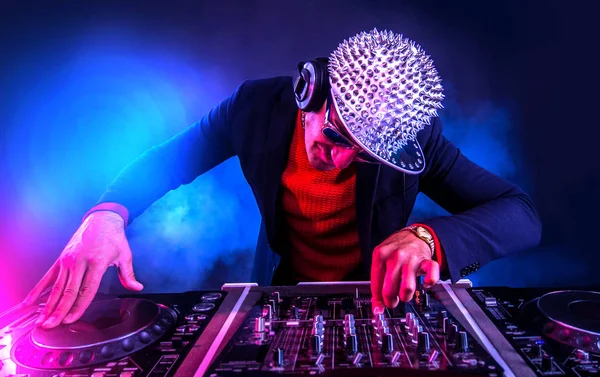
88, 86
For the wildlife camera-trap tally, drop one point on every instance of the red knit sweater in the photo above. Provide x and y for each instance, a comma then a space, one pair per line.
321, 216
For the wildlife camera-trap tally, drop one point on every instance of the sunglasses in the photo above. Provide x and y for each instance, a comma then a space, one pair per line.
334, 134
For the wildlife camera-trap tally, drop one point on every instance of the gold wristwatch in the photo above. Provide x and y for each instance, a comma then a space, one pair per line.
425, 235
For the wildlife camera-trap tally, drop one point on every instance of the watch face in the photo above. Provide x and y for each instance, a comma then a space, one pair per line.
423, 232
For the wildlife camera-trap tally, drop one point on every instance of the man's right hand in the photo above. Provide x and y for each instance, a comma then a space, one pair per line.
99, 242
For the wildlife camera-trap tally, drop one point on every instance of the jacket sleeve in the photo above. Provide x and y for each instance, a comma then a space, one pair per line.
175, 162
490, 217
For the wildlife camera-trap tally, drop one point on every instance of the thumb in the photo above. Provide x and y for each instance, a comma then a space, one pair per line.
127, 277
125, 268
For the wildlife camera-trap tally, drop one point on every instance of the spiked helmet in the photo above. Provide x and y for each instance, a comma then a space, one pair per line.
386, 90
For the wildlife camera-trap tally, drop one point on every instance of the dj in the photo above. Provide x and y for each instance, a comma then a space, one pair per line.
335, 159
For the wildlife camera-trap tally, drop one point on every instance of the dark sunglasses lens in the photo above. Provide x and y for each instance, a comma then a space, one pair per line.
335, 137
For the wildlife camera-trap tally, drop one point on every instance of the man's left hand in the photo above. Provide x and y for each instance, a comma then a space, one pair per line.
396, 263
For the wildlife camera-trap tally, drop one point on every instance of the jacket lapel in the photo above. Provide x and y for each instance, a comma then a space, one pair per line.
366, 181
277, 146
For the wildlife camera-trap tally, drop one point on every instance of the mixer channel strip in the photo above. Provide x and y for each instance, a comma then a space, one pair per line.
309, 334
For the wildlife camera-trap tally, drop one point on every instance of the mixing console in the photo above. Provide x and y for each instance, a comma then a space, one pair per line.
323, 329
305, 334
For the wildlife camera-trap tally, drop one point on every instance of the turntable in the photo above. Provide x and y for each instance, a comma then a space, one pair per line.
145, 335
556, 331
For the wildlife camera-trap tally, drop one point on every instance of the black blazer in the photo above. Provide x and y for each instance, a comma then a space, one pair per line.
491, 217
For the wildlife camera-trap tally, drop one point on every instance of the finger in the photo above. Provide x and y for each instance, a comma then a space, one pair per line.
55, 294
46, 281
431, 270
69, 295
391, 284
409, 280
126, 274
377, 279
89, 288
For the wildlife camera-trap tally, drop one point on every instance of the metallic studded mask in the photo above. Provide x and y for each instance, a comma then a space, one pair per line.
386, 89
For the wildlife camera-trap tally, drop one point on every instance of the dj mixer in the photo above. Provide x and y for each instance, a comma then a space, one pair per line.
324, 329
300, 333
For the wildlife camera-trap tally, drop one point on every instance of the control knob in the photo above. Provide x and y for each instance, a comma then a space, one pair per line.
452, 333
415, 333
539, 350
462, 341
440, 317
409, 317
387, 343
274, 306
267, 312
547, 364
318, 328
381, 324
582, 355
278, 356
259, 324
276, 297
446, 322
423, 342
349, 319
352, 344
491, 302
315, 344
415, 324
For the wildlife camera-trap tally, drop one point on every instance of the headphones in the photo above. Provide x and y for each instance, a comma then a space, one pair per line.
312, 84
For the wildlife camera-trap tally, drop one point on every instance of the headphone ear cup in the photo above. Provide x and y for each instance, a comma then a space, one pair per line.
311, 85
302, 86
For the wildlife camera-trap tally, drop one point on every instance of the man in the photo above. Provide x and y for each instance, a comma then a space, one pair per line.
335, 161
